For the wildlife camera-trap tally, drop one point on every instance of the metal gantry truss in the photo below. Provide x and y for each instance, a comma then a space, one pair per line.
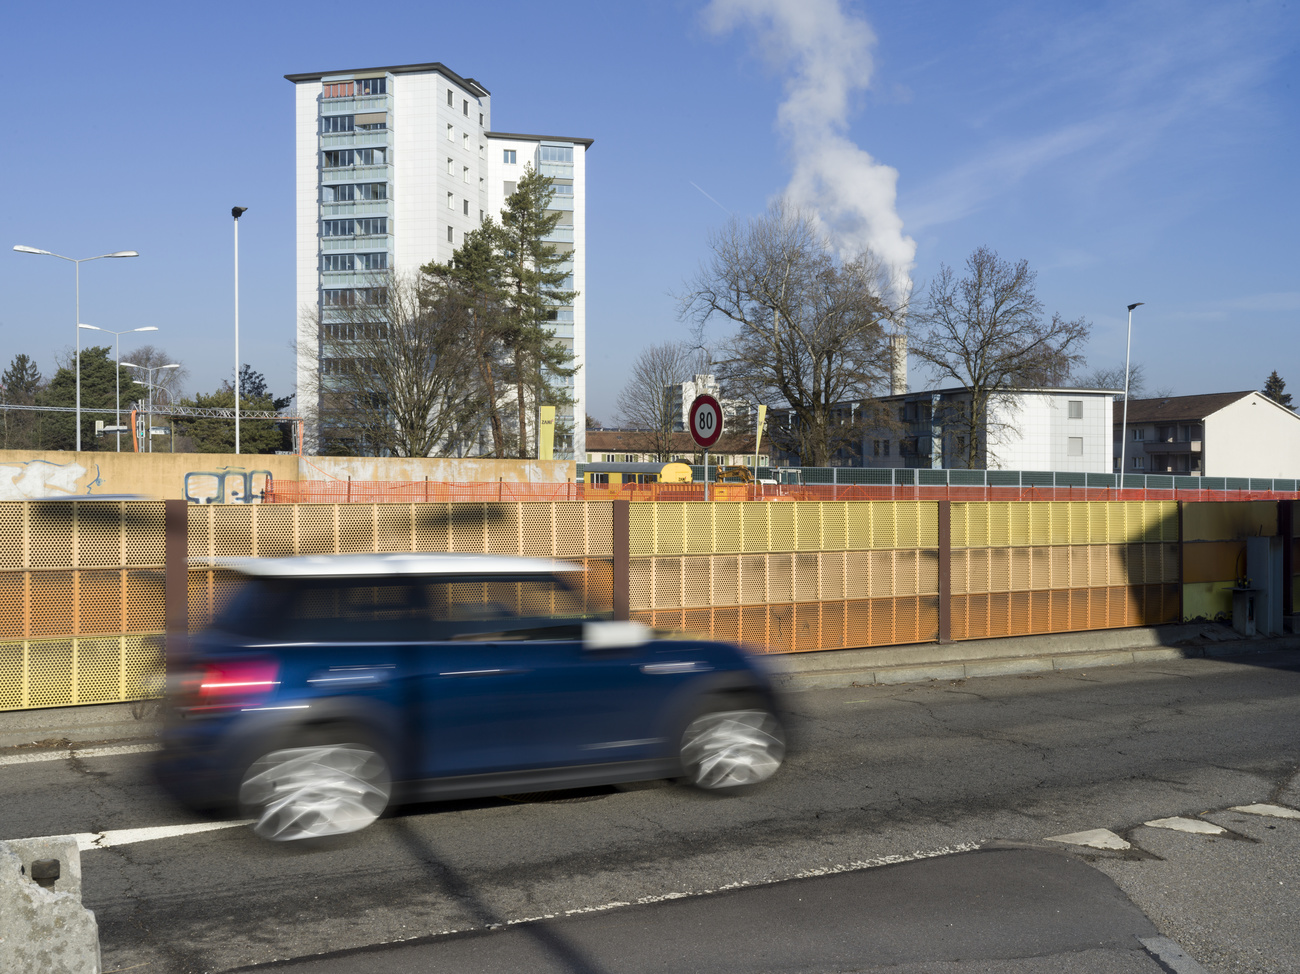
215, 412
143, 408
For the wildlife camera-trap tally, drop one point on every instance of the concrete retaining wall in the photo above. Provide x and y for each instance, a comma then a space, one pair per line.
216, 477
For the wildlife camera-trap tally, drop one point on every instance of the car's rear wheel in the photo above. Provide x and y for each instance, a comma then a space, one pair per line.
318, 788
732, 745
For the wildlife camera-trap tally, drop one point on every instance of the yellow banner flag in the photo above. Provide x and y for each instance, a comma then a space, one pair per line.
546, 433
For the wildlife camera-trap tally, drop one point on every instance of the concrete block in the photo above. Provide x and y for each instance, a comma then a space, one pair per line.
45, 929
1082, 661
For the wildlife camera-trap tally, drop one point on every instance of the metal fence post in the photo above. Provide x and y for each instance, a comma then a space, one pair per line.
622, 558
176, 580
945, 571
1286, 528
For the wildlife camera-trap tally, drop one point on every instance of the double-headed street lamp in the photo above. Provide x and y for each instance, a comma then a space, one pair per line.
78, 261
150, 383
117, 355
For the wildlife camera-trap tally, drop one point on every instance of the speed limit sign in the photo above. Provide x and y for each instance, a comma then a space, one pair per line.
706, 420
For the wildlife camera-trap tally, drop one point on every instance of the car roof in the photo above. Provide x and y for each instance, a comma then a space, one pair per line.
405, 563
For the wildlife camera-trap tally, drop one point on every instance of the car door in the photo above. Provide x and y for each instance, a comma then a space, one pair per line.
509, 687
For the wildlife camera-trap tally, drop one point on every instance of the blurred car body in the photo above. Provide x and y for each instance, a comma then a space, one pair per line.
333, 686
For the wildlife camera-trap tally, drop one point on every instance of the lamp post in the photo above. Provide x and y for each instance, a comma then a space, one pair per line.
78, 262
150, 383
237, 212
1123, 428
117, 355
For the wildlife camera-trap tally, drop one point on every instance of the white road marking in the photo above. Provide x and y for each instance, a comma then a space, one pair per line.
1171, 955
1273, 811
63, 753
1179, 824
89, 841
1093, 838
852, 866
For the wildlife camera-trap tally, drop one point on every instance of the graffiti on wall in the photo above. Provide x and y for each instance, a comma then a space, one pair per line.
227, 485
36, 479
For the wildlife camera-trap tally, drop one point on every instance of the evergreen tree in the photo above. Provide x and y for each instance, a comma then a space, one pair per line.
533, 278
211, 435
1273, 388
19, 386
99, 382
475, 279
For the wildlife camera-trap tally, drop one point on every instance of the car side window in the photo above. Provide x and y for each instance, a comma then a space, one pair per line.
497, 609
357, 611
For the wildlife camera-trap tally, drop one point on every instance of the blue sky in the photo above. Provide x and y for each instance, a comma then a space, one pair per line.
1133, 151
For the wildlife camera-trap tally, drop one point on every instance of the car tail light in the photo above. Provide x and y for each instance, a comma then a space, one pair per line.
237, 683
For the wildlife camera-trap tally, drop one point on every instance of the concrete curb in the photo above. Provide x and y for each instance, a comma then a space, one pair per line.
1014, 656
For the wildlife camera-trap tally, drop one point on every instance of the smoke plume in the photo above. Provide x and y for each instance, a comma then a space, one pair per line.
825, 54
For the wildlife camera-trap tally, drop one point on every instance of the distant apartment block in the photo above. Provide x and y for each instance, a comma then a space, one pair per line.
1221, 434
681, 395
1025, 429
394, 165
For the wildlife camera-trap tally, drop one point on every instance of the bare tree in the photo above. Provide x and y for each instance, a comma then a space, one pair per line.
809, 324
645, 402
396, 376
169, 384
1113, 378
987, 332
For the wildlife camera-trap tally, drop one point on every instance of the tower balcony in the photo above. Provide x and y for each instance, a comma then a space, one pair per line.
358, 174
347, 140
356, 104
356, 208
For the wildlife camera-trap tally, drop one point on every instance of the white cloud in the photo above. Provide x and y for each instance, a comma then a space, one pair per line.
827, 55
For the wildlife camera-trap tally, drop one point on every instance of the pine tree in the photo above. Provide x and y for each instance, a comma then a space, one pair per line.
1273, 388
19, 386
534, 278
99, 383
512, 279
255, 435
475, 279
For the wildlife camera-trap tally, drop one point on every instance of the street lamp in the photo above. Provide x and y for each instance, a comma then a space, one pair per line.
117, 354
237, 212
1123, 429
150, 383
78, 261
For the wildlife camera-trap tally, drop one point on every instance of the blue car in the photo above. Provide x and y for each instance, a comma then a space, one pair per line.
334, 686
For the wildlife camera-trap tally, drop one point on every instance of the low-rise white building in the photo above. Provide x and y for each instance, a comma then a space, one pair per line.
1221, 434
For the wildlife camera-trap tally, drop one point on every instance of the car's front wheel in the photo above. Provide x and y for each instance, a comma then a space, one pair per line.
725, 748
316, 789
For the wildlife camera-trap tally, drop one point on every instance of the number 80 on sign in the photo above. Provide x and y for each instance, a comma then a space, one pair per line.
706, 420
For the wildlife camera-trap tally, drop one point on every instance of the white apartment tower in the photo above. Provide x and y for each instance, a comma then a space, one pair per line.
394, 166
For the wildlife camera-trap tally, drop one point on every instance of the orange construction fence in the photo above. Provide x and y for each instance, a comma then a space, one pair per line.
379, 491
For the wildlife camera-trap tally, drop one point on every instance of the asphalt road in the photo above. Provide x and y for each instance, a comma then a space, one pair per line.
878, 774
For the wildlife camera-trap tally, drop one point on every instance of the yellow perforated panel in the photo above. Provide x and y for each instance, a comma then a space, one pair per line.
1053, 523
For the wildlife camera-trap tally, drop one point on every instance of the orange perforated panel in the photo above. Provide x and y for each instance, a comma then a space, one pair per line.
808, 626
978, 616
